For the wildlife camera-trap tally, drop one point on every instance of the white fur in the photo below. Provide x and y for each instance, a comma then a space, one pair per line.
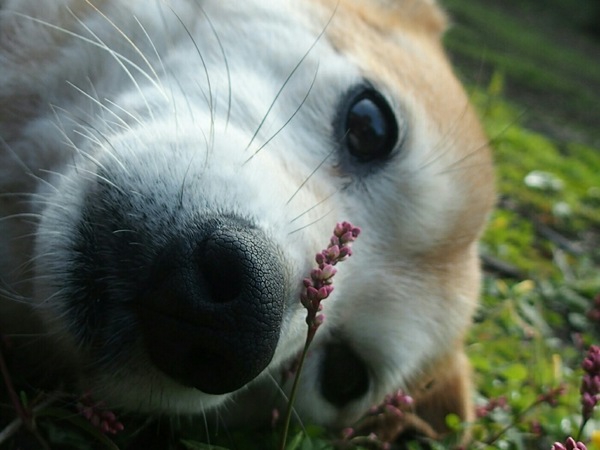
143, 88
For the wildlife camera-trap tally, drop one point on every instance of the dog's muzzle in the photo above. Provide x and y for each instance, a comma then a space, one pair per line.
212, 311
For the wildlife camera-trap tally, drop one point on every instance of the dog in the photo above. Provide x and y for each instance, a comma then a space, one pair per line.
170, 168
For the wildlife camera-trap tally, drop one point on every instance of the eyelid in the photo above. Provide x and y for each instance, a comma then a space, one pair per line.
351, 164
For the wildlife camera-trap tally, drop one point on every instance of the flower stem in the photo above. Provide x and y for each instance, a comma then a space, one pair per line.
290, 404
514, 422
317, 287
581, 427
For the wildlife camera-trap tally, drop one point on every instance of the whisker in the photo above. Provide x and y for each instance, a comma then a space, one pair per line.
103, 107
440, 148
21, 163
119, 59
314, 206
90, 137
99, 44
129, 41
289, 77
211, 103
19, 216
310, 176
226, 62
453, 166
75, 147
8, 293
311, 223
296, 111
287, 400
128, 113
154, 49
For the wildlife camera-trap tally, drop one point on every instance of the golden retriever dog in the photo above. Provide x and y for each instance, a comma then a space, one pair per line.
169, 168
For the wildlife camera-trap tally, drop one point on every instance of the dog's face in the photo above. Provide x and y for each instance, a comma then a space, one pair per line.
202, 152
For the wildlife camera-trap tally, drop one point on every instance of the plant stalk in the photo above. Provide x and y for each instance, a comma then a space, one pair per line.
293, 393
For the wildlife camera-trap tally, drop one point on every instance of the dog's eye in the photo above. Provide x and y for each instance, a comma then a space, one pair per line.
344, 376
371, 129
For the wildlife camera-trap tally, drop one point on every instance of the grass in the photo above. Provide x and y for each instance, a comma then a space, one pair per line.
550, 61
538, 96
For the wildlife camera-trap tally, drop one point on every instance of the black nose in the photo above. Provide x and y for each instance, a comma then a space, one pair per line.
212, 315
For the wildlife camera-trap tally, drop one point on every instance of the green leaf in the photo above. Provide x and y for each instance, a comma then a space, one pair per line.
294, 444
516, 373
193, 445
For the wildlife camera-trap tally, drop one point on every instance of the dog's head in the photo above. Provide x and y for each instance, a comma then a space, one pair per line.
206, 149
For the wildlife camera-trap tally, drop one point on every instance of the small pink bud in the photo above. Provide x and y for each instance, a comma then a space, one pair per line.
320, 258
347, 433
312, 293
328, 272
339, 229
345, 252
572, 445
393, 410
481, 412
588, 403
87, 412
274, 417
347, 237
325, 291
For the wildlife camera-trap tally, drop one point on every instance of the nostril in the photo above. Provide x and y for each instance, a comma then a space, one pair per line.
212, 310
225, 265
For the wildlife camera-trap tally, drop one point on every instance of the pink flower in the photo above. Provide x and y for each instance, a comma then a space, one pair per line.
590, 383
319, 285
95, 412
552, 396
493, 403
570, 444
393, 403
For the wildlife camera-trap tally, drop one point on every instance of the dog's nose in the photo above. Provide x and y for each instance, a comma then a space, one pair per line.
212, 315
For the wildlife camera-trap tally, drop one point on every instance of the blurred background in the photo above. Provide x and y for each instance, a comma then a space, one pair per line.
532, 68
548, 51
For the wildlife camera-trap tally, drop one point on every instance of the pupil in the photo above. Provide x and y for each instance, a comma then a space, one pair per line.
367, 129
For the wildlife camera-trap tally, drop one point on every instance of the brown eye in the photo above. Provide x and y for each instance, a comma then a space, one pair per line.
371, 129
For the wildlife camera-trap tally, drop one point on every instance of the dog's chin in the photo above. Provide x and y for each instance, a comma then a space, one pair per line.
151, 392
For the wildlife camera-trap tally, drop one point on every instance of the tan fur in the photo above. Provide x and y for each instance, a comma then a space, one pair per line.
357, 29
448, 391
